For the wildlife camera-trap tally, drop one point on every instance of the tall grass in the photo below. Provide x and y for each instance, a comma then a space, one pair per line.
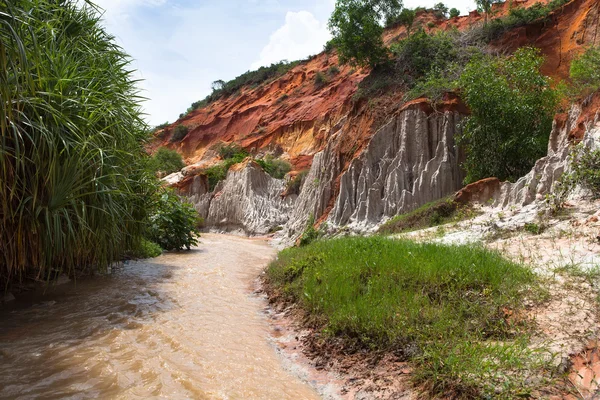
72, 189
443, 307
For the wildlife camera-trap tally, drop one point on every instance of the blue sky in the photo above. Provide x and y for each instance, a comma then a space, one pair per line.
181, 46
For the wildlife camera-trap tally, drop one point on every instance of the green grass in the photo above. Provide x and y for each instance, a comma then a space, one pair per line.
442, 307
432, 214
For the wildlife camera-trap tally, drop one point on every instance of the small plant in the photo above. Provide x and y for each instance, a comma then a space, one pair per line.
333, 70
173, 224
586, 169
275, 167
431, 24
147, 249
533, 228
283, 98
179, 133
293, 185
232, 151
454, 12
320, 80
310, 234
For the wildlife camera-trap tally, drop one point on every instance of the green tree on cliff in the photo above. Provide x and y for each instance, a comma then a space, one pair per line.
356, 26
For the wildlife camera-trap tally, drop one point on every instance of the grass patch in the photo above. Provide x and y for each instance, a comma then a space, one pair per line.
429, 215
442, 307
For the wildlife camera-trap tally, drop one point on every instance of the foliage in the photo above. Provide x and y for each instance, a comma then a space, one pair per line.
441, 10
216, 174
585, 71
443, 307
275, 167
333, 71
512, 108
147, 249
74, 189
357, 32
454, 12
161, 126
406, 18
232, 151
421, 53
436, 213
310, 233
320, 80
517, 17
250, 78
179, 133
166, 161
585, 164
294, 185
173, 223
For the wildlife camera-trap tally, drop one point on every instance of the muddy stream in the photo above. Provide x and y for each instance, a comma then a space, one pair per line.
183, 325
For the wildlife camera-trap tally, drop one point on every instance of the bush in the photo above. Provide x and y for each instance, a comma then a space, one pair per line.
442, 307
441, 10
232, 151
428, 215
310, 234
512, 107
585, 71
454, 13
173, 223
275, 167
166, 161
421, 53
406, 18
586, 169
320, 80
147, 249
179, 133
333, 71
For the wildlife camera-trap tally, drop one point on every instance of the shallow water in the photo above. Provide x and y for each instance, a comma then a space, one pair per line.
182, 325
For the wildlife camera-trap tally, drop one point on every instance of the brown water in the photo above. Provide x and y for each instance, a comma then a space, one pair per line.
179, 326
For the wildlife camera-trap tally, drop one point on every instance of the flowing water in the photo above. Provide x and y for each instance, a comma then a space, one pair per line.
182, 325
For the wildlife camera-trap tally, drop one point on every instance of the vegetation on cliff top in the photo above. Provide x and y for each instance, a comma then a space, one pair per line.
442, 307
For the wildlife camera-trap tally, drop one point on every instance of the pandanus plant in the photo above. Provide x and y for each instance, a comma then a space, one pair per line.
72, 188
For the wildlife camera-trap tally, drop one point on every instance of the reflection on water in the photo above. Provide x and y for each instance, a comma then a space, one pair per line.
179, 326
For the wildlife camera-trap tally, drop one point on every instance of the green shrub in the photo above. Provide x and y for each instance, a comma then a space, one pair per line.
320, 80
147, 249
179, 133
441, 307
441, 10
421, 53
310, 234
161, 126
512, 107
173, 223
454, 12
232, 151
586, 169
333, 71
406, 18
166, 161
216, 174
275, 167
585, 71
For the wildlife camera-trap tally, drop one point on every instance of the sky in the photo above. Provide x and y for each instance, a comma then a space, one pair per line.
179, 47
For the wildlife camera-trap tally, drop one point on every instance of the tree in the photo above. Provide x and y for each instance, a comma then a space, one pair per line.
406, 19
441, 9
512, 108
357, 31
217, 85
454, 12
485, 6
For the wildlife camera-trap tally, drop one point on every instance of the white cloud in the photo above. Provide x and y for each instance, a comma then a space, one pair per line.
300, 36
